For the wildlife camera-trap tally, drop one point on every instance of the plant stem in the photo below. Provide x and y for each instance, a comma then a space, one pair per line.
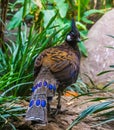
79, 7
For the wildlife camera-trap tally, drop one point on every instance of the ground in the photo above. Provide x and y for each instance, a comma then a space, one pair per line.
62, 121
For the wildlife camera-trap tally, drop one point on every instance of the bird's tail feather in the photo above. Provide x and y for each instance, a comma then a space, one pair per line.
37, 110
42, 90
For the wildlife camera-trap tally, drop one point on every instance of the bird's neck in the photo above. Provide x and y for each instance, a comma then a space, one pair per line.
72, 44
74, 47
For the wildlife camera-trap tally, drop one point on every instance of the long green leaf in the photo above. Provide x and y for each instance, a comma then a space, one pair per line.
104, 72
103, 122
18, 85
90, 12
83, 49
16, 20
89, 111
108, 84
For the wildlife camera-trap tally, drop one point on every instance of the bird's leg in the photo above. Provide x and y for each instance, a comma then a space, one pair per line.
48, 107
57, 110
59, 101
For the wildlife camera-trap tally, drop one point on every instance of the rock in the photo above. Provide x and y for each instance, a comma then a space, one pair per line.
99, 56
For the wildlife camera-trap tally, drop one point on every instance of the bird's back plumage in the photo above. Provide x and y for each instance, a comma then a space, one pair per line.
54, 69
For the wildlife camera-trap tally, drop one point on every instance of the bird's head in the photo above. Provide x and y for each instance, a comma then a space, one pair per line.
73, 36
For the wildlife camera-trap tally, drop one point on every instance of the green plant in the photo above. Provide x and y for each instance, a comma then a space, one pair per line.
44, 13
10, 109
79, 87
16, 68
97, 108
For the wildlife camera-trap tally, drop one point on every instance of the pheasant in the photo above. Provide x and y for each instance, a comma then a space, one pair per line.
54, 69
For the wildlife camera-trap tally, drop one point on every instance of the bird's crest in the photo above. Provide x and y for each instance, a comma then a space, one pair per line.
74, 34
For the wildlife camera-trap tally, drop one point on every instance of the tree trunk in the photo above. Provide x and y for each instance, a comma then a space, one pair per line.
4, 6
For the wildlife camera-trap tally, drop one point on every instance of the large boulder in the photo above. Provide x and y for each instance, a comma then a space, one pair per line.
99, 56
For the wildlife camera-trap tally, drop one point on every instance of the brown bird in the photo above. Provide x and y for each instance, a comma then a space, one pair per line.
54, 69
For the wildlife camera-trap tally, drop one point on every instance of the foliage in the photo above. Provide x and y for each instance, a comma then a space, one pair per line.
79, 87
10, 108
97, 108
46, 10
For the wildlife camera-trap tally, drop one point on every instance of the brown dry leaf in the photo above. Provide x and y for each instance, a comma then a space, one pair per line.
71, 93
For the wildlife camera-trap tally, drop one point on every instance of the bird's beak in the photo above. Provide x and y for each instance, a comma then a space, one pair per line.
78, 40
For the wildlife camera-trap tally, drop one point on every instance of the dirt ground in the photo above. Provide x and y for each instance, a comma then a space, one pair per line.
62, 121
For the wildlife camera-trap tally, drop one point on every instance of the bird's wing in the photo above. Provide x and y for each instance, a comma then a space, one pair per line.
60, 60
56, 60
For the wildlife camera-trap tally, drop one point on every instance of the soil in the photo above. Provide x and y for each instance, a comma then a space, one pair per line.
62, 121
